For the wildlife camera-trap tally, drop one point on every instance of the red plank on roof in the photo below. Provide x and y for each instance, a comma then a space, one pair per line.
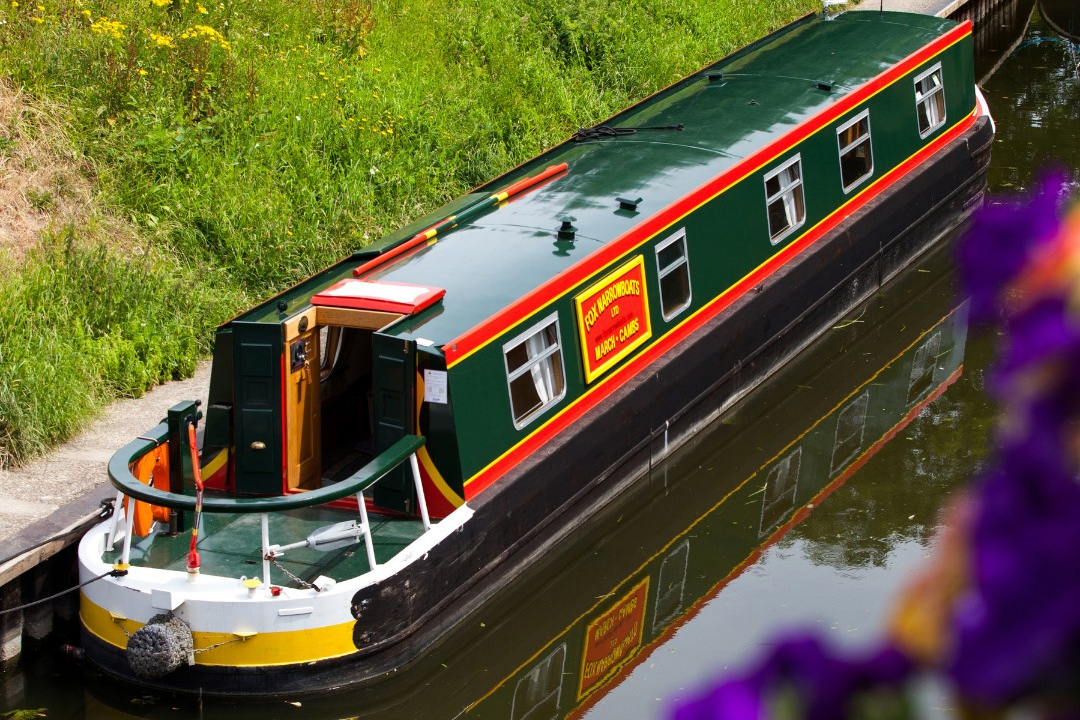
404, 298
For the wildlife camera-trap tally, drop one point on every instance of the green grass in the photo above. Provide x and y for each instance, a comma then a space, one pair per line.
251, 143
85, 325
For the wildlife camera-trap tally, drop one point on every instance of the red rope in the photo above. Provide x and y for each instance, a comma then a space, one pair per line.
193, 561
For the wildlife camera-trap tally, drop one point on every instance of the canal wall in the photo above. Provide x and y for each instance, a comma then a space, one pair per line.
46, 506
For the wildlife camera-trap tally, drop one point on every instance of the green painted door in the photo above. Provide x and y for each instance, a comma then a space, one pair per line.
257, 387
394, 387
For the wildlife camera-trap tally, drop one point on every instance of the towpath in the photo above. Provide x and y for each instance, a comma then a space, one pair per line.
52, 494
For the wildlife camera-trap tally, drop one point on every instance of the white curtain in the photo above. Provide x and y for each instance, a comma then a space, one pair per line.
543, 374
788, 177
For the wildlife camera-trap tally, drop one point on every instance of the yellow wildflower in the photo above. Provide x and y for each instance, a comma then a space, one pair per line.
201, 9
41, 8
14, 4
142, 72
86, 13
110, 28
162, 40
38, 20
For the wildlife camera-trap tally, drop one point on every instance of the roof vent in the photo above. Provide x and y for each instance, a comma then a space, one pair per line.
715, 77
628, 204
824, 85
567, 231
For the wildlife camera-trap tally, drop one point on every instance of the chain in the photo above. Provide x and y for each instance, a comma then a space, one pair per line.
299, 581
214, 647
123, 629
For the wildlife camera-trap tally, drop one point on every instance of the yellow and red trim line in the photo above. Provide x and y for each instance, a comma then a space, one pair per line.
606, 386
476, 338
429, 236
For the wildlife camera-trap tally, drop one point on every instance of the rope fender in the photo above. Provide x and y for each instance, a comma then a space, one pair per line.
160, 647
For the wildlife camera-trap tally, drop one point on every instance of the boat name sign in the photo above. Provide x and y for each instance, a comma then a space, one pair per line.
613, 317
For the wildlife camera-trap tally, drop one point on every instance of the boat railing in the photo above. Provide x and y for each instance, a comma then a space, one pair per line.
130, 487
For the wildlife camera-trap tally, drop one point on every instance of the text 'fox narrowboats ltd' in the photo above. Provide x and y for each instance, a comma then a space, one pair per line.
387, 441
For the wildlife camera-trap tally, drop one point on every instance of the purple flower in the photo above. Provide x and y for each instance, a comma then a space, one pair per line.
1001, 240
1035, 335
824, 682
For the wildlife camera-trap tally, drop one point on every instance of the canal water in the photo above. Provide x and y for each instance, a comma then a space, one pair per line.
807, 506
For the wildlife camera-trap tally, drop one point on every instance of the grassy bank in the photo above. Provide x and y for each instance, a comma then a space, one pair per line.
247, 144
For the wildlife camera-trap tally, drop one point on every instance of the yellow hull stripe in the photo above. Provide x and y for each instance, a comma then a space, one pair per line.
260, 650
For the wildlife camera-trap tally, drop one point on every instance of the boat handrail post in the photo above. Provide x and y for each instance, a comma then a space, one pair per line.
420, 499
369, 543
264, 519
125, 557
118, 507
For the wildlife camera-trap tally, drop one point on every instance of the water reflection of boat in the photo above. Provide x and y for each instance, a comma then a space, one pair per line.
1063, 17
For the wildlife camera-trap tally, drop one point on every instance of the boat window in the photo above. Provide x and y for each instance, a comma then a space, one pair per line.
673, 269
930, 100
856, 153
534, 370
784, 198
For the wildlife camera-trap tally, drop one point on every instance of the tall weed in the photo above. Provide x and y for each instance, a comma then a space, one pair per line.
83, 325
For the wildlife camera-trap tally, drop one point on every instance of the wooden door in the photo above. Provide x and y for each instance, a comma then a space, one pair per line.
304, 461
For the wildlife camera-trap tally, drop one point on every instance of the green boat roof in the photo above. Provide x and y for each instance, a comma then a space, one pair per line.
766, 89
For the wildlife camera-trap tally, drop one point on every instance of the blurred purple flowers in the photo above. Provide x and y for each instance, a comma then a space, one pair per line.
997, 614
1005, 234
822, 682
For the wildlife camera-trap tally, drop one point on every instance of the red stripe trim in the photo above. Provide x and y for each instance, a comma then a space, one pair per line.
603, 389
472, 340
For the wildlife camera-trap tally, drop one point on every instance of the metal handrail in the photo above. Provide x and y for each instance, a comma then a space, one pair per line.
122, 479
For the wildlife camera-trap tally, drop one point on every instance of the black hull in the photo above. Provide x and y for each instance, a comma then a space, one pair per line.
559, 488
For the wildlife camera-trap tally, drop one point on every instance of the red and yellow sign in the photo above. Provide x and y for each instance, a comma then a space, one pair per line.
613, 317
612, 639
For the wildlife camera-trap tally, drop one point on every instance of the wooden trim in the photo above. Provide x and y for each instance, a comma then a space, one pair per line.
292, 325
350, 317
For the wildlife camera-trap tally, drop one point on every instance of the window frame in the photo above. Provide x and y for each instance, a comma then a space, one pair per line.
661, 273
940, 89
796, 159
520, 339
869, 138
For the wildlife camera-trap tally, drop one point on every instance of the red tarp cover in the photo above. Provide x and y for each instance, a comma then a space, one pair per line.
393, 297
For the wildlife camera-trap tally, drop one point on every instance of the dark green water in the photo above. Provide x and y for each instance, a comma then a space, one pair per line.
809, 505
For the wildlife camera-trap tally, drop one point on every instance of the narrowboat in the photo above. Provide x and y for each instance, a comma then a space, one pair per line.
391, 440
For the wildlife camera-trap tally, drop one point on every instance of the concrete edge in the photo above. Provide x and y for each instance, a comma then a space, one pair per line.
53, 533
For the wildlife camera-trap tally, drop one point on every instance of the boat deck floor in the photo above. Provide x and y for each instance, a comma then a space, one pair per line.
231, 546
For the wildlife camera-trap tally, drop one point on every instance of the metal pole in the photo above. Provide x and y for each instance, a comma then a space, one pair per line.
266, 547
369, 542
420, 492
118, 507
126, 557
